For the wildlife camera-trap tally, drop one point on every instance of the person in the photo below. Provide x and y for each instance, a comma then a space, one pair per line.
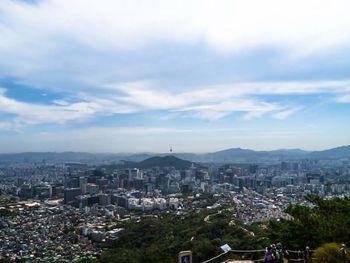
274, 252
286, 256
307, 255
269, 255
343, 253
279, 253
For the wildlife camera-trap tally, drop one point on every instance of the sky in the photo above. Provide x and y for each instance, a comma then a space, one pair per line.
194, 75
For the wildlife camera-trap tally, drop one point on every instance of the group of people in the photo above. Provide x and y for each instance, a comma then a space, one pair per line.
277, 254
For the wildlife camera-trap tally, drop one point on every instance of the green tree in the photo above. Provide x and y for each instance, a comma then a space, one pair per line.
330, 253
325, 221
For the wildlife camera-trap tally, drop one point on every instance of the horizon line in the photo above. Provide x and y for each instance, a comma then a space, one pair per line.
171, 153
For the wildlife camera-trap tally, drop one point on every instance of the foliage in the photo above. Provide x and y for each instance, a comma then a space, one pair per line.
161, 239
330, 253
326, 221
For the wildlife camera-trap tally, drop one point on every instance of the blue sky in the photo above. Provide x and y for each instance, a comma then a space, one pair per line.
198, 75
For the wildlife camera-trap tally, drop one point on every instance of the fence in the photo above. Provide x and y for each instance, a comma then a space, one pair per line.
294, 256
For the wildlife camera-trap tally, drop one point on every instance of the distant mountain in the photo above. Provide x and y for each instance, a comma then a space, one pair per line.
161, 161
138, 157
244, 155
232, 154
334, 153
32, 157
224, 156
289, 152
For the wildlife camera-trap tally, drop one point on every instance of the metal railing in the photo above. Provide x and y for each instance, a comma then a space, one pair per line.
298, 255
236, 251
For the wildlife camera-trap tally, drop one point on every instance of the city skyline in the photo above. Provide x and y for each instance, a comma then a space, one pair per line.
141, 76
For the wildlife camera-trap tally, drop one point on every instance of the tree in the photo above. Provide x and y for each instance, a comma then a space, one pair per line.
325, 221
330, 253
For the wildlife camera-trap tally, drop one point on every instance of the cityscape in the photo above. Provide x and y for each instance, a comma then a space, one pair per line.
72, 211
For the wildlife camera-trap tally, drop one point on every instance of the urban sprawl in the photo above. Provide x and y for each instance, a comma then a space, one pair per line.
70, 211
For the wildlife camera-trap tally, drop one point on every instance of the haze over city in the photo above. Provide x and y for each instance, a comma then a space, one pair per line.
136, 76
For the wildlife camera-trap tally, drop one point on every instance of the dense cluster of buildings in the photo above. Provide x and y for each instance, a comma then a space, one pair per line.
44, 233
83, 185
78, 204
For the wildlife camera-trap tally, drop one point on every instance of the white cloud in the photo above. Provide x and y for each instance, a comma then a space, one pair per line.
215, 102
344, 98
222, 109
10, 125
30, 113
223, 25
209, 103
153, 94
253, 115
44, 43
286, 113
41, 46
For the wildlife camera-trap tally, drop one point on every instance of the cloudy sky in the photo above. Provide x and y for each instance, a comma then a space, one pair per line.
197, 75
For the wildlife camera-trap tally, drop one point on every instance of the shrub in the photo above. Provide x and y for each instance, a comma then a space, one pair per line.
330, 253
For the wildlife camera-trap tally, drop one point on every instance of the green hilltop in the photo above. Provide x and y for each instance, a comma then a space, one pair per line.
160, 161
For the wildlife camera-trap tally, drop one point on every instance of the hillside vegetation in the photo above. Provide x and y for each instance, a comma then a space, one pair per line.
160, 238
326, 221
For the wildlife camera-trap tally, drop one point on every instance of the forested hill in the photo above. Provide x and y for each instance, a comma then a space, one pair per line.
158, 239
327, 221
164, 161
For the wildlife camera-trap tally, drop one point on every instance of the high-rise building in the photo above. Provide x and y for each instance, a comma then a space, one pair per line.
82, 184
104, 199
70, 194
253, 168
92, 189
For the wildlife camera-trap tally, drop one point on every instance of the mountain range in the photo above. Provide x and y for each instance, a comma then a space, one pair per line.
224, 156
